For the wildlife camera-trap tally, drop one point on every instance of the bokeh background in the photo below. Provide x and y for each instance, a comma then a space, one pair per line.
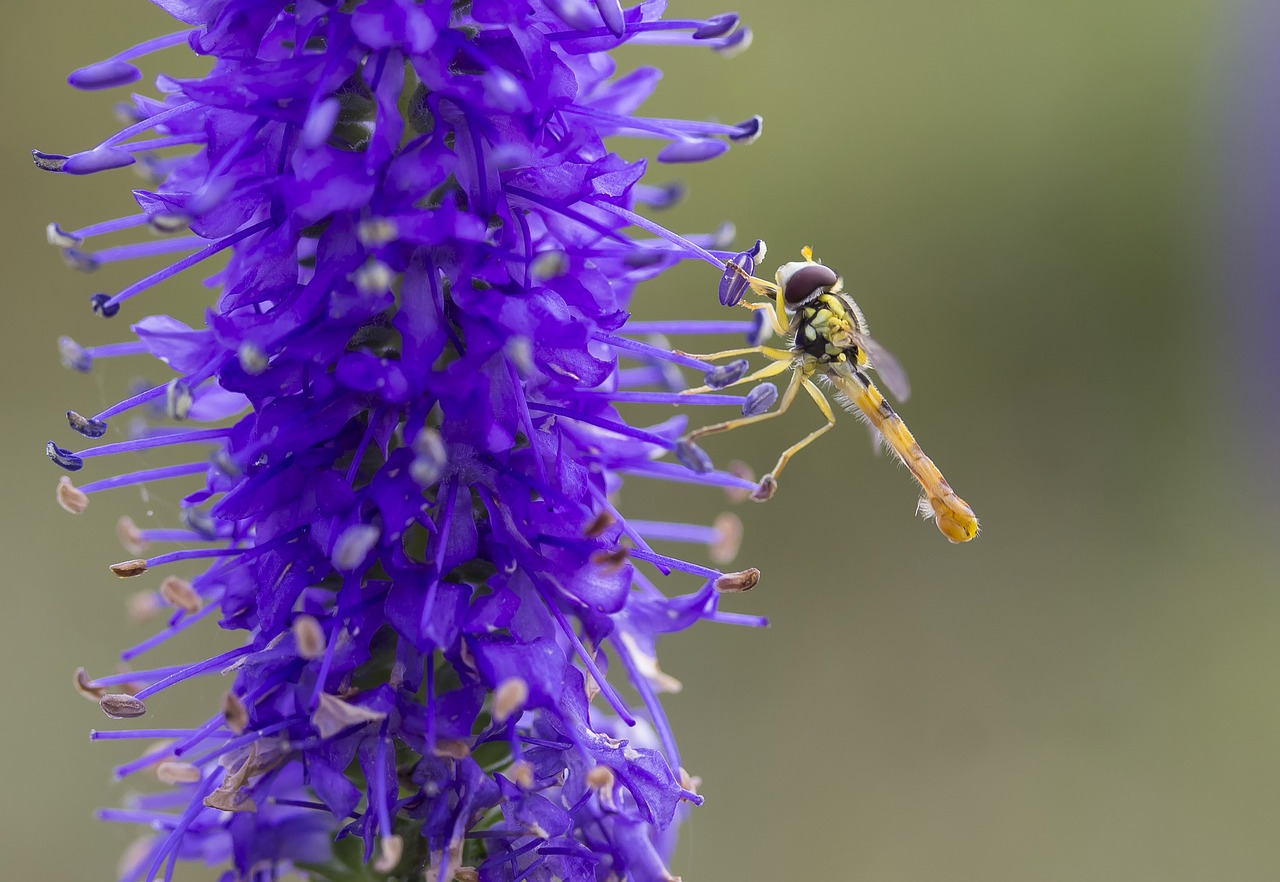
1035, 204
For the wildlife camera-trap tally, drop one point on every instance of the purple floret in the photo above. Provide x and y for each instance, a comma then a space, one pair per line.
410, 383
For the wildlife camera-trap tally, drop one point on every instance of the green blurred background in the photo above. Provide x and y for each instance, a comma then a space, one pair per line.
1018, 194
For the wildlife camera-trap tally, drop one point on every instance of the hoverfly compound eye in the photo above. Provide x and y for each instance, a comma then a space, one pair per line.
804, 282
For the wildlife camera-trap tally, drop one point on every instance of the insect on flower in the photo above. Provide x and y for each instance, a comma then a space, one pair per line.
829, 343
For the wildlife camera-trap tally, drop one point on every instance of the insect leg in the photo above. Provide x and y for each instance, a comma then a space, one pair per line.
769, 483
769, 370
729, 425
766, 351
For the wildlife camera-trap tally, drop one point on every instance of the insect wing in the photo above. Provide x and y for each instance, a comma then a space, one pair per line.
891, 373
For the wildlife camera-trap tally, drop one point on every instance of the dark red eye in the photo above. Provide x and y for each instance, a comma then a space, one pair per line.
806, 280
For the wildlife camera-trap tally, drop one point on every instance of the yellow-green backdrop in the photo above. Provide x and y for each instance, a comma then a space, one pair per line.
1022, 196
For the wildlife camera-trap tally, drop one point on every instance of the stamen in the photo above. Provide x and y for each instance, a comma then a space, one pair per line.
760, 399
70, 497
354, 545
308, 636
509, 698
87, 426
65, 458
601, 423
87, 687
116, 71
186, 263
145, 475
728, 373
148, 443
688, 327
182, 594
693, 457
122, 707
659, 231
177, 773
735, 583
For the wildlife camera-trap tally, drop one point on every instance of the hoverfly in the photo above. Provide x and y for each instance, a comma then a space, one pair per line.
829, 343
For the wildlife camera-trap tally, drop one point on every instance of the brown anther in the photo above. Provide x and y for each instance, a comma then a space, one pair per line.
71, 497
600, 778
452, 748
610, 561
127, 569
601, 522
130, 536
308, 635
739, 469
177, 773
728, 527
521, 772
87, 687
235, 713
335, 715
767, 487
509, 698
142, 606
180, 593
734, 583
466, 874
390, 850
121, 707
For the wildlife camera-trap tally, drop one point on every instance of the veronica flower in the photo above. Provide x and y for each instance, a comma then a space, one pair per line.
402, 412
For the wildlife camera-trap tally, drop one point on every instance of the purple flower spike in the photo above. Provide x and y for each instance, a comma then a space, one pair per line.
399, 434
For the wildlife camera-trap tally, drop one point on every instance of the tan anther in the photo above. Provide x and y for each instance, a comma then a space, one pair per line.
87, 687
121, 707
390, 850
689, 782
130, 536
308, 636
596, 527
735, 583
180, 593
739, 469
728, 527
509, 698
521, 772
452, 748
610, 561
335, 715
235, 713
466, 874
177, 773
600, 778
71, 497
142, 606
127, 569
764, 491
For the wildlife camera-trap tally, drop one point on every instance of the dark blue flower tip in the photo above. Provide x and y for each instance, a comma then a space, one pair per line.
98, 159
87, 426
757, 251
736, 279
199, 521
80, 260
748, 130
727, 374
104, 75
103, 306
761, 330
60, 238
693, 457
50, 162
692, 150
177, 399
717, 26
760, 399
64, 458
74, 356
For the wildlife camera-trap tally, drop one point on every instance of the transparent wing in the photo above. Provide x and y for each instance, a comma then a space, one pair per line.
886, 366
